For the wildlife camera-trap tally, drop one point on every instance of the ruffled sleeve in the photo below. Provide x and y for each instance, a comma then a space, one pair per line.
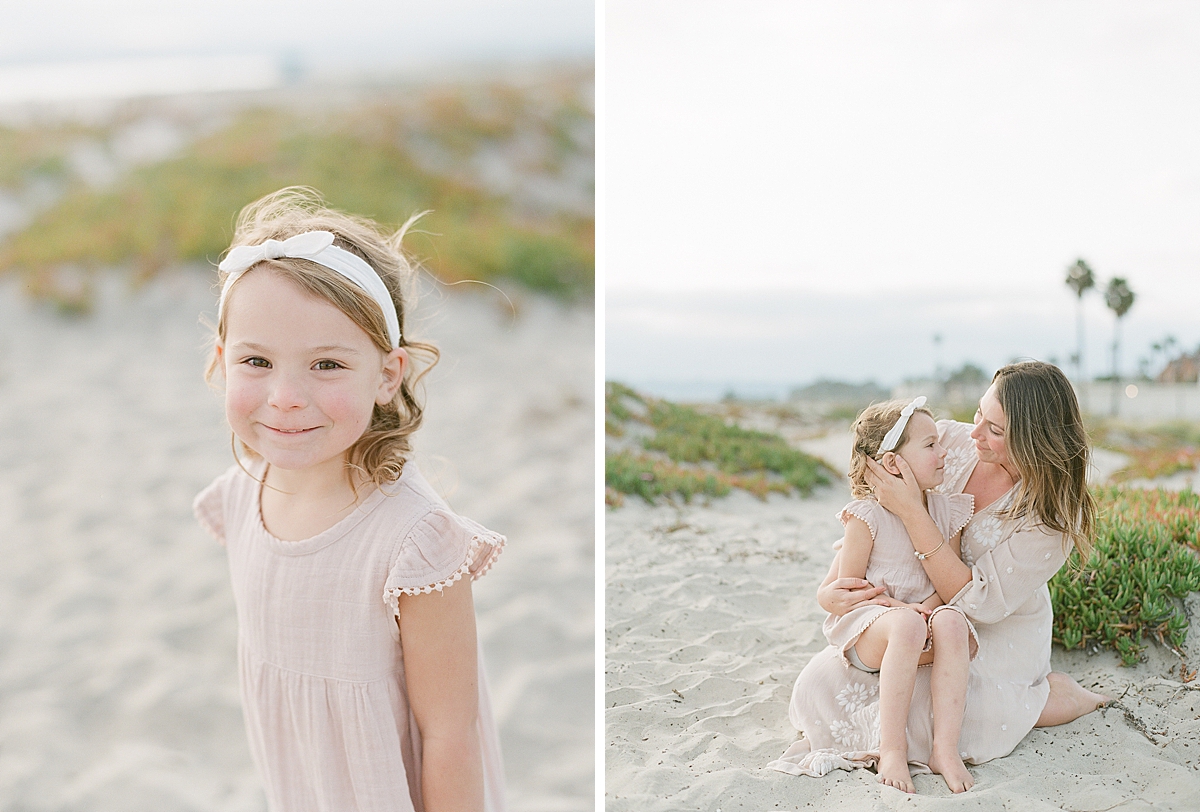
440, 549
209, 508
861, 509
952, 512
1004, 578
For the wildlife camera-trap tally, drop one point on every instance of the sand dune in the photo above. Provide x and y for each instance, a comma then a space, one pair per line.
118, 685
711, 614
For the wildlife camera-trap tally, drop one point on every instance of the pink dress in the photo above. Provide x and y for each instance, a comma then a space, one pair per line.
892, 563
319, 653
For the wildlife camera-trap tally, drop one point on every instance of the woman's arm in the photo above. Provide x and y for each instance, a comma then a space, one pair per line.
837, 596
438, 634
902, 496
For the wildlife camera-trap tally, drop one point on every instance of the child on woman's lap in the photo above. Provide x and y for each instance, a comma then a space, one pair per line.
914, 628
356, 642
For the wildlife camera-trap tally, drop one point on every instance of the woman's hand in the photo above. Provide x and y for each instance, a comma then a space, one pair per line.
897, 495
842, 595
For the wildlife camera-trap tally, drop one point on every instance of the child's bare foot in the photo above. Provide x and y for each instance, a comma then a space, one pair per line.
950, 767
893, 771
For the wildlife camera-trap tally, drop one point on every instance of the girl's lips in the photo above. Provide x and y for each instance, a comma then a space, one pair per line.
291, 431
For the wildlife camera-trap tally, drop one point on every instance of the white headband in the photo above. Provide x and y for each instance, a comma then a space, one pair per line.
893, 436
318, 247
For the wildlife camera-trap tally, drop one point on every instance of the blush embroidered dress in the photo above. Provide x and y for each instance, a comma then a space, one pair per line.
892, 563
319, 652
836, 706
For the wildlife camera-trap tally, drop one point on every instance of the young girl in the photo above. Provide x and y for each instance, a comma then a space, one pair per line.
913, 628
356, 631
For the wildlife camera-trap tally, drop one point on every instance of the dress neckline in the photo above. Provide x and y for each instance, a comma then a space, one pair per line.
333, 533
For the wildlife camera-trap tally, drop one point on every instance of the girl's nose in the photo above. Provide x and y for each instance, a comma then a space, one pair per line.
287, 393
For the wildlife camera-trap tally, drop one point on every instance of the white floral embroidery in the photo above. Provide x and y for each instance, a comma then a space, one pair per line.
854, 696
843, 733
986, 531
867, 722
956, 464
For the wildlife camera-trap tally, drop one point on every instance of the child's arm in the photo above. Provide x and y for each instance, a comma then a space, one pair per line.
856, 549
935, 600
437, 632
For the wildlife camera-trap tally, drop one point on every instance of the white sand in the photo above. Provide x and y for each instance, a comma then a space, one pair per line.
711, 614
118, 682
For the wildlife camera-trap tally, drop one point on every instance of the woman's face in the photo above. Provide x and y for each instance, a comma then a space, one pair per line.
990, 429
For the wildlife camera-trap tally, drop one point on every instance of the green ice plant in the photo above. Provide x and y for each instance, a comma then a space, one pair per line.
704, 454
1143, 566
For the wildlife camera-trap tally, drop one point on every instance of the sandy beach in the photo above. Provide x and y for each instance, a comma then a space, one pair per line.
711, 614
118, 680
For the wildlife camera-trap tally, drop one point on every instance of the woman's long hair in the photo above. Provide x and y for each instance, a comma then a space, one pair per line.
1047, 443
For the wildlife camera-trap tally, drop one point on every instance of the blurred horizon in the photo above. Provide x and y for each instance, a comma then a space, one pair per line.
705, 345
73, 49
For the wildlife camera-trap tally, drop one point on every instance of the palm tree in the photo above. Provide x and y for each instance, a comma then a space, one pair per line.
1119, 299
1079, 279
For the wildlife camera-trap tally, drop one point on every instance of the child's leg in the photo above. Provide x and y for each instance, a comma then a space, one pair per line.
893, 644
948, 684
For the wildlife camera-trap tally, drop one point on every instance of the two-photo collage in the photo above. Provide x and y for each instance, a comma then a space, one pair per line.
558, 405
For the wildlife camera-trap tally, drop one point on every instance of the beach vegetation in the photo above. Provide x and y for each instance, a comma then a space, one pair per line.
382, 158
685, 451
1154, 451
1132, 589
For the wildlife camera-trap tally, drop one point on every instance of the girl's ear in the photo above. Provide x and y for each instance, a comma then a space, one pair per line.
888, 461
395, 364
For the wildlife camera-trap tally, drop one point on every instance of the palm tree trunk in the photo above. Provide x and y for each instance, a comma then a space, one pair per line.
1116, 377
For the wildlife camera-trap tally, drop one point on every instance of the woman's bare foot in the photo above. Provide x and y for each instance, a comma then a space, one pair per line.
1068, 701
893, 771
951, 768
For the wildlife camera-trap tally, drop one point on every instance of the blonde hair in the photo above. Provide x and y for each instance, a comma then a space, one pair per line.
380, 453
1046, 441
869, 430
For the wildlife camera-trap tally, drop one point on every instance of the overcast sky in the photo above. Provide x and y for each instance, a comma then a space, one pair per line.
349, 32
969, 150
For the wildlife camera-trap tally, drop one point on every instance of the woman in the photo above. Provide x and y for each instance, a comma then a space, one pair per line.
1025, 463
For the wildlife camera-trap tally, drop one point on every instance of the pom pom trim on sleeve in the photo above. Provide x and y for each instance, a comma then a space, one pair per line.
962, 520
862, 510
484, 548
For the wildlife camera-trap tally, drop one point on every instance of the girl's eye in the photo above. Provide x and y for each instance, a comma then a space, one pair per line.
261, 363
327, 365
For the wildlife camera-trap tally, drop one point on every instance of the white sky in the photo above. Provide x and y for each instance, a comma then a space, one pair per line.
346, 33
882, 145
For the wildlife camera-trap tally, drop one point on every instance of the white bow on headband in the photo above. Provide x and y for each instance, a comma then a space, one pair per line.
318, 247
893, 436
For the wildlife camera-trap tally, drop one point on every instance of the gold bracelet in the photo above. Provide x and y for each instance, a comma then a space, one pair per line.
923, 556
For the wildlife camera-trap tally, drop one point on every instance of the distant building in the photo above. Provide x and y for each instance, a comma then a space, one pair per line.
1184, 369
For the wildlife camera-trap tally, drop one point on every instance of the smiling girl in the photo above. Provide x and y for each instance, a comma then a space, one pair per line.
908, 626
357, 649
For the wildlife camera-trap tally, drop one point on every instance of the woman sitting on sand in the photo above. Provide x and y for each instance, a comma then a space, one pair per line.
1025, 464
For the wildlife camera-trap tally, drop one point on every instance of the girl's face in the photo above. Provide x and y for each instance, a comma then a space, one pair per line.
990, 428
923, 451
301, 378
